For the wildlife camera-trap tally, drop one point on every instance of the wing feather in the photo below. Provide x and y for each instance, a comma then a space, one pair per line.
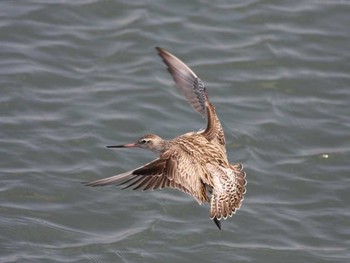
195, 92
185, 172
160, 173
186, 81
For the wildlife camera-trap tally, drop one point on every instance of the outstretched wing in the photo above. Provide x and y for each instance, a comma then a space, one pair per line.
195, 92
169, 170
150, 176
186, 81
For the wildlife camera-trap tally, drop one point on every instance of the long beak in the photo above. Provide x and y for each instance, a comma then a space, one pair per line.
128, 145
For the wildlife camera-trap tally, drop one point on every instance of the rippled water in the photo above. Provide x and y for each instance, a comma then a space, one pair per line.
79, 75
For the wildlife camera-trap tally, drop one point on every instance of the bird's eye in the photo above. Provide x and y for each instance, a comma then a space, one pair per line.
143, 141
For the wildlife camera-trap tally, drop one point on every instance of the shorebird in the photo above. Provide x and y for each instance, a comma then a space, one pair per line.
196, 162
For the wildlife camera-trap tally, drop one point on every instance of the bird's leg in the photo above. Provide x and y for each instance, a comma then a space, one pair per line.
217, 222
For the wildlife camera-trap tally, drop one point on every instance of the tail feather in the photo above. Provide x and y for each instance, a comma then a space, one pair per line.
228, 190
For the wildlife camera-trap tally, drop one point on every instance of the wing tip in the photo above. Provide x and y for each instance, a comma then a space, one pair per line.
162, 52
186, 81
159, 49
95, 183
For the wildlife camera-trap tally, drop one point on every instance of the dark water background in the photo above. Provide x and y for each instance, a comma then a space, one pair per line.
78, 75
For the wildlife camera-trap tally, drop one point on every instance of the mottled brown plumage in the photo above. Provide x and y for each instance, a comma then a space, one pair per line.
196, 162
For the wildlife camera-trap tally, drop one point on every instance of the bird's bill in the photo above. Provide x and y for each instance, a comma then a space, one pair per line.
128, 145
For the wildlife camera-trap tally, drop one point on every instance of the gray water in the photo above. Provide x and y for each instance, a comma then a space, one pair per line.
79, 75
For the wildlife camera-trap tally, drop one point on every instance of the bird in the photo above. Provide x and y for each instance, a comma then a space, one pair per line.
195, 163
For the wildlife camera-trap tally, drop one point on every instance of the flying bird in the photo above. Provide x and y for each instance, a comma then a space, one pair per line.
196, 162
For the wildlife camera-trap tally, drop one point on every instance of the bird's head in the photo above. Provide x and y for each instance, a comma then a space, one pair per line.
150, 142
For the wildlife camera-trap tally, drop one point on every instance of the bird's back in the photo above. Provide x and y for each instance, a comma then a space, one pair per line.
203, 166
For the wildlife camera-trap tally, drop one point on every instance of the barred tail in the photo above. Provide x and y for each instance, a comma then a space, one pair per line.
228, 191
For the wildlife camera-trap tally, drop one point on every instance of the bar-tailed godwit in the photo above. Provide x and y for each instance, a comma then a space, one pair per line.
196, 162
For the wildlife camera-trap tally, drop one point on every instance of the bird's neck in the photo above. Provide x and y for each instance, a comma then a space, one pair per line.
162, 146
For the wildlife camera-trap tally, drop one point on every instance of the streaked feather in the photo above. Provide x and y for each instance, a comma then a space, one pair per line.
196, 162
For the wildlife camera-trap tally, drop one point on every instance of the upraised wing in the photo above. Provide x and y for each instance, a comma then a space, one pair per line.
195, 92
186, 81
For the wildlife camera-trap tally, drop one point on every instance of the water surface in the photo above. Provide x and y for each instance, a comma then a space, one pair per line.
79, 75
